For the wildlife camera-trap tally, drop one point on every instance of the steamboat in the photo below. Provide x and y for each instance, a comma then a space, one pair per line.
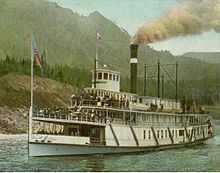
103, 120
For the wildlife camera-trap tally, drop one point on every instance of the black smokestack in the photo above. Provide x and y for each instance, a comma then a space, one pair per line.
133, 67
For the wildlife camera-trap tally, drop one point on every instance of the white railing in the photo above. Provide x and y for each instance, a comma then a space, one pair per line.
69, 117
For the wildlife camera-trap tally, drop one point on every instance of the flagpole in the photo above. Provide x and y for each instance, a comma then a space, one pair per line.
32, 95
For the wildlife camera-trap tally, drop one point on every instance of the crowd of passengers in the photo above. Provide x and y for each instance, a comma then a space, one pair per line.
93, 99
70, 114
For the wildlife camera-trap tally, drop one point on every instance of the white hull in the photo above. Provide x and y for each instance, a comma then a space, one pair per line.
45, 149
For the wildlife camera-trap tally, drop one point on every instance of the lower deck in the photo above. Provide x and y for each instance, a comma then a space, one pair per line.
57, 149
122, 135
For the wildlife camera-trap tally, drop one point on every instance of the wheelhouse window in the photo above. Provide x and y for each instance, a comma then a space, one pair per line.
114, 77
105, 76
100, 76
117, 77
110, 76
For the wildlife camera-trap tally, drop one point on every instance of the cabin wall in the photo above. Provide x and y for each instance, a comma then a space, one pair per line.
144, 141
123, 134
109, 138
146, 138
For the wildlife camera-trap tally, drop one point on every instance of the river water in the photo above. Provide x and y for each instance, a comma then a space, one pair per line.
13, 157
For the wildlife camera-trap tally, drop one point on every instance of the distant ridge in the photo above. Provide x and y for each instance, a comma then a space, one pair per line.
209, 57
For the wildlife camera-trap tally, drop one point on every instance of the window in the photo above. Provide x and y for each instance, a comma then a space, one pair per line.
144, 134
110, 76
165, 133
161, 134
140, 100
173, 133
114, 77
117, 77
158, 133
99, 75
176, 133
149, 134
106, 76
181, 132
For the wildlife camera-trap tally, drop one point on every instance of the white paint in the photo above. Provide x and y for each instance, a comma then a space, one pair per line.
60, 139
133, 60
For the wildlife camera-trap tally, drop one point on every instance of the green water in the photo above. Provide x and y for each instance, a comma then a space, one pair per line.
13, 157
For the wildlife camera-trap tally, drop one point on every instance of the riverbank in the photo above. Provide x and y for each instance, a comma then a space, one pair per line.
15, 99
13, 136
13, 120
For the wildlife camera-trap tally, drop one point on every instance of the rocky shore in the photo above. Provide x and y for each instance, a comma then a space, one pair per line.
13, 121
15, 99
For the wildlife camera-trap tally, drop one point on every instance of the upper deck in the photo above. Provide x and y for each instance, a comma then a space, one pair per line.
124, 100
100, 116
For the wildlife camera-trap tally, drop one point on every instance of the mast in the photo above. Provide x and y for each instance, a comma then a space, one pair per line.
145, 79
162, 91
94, 75
158, 78
98, 37
176, 97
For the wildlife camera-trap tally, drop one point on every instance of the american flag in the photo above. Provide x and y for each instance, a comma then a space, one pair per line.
36, 52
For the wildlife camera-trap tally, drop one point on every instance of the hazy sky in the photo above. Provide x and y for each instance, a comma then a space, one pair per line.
131, 14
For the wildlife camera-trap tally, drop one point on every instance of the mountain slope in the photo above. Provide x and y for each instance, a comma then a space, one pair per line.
68, 37
209, 57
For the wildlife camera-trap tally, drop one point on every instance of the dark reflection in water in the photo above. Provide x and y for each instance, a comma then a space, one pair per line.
13, 157
95, 163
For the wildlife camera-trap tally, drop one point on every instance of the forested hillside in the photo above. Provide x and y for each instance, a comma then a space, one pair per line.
68, 42
67, 37
209, 57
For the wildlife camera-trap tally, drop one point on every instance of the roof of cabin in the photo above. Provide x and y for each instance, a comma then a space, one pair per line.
107, 70
115, 92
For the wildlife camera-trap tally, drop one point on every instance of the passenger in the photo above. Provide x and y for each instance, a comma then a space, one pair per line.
210, 130
161, 107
